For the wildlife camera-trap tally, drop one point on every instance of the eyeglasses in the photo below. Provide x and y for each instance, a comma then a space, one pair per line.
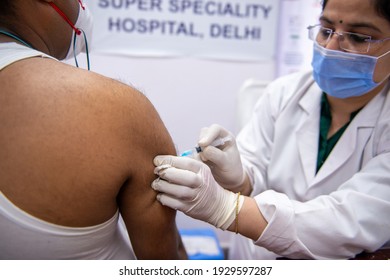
348, 41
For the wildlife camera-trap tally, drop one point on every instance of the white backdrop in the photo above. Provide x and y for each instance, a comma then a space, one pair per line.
191, 92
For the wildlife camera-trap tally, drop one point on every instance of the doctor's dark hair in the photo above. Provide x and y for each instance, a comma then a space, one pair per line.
382, 7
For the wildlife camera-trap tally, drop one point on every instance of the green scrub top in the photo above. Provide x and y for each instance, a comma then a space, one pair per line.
326, 145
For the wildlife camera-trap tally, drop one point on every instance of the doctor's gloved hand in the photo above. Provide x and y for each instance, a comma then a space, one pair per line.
187, 185
224, 161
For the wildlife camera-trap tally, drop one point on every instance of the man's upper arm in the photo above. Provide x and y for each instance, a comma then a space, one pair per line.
151, 226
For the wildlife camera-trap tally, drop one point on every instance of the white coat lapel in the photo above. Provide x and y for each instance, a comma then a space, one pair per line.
308, 132
354, 138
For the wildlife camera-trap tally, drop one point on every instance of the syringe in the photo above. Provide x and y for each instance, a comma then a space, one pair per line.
216, 143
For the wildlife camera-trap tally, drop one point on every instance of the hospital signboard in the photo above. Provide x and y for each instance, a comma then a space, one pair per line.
232, 30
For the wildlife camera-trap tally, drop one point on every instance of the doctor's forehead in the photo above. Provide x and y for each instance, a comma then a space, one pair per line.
354, 14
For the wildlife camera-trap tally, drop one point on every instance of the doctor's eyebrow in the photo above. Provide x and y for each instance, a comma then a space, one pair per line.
353, 25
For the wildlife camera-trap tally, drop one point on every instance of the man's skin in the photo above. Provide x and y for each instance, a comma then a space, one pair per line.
76, 146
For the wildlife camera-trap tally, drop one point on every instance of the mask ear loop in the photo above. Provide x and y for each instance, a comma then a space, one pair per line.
55, 7
77, 31
86, 49
81, 4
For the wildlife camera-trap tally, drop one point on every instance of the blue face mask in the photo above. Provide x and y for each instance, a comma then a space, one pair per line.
341, 74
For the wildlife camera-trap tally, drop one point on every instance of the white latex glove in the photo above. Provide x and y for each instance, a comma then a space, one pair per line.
224, 161
187, 185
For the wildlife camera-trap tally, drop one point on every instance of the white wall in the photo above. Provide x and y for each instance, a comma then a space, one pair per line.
188, 93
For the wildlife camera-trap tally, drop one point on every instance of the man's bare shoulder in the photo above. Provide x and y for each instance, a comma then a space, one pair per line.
86, 135
49, 84
49, 74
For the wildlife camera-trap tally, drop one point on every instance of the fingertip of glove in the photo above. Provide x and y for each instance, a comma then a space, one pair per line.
157, 160
159, 169
155, 184
159, 197
202, 141
163, 160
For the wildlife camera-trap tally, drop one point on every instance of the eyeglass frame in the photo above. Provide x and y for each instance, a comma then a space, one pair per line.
341, 34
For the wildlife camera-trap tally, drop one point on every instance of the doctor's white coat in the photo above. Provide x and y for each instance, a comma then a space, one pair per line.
334, 214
